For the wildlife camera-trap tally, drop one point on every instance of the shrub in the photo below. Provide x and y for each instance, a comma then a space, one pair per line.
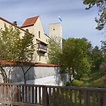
77, 83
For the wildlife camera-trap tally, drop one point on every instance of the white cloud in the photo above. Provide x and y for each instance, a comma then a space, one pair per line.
77, 22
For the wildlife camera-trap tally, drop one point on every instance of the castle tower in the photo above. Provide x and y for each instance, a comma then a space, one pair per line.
55, 32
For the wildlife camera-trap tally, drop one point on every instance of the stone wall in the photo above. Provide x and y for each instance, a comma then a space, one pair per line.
35, 75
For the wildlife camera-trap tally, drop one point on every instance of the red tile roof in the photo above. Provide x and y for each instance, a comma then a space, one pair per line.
46, 65
30, 21
7, 63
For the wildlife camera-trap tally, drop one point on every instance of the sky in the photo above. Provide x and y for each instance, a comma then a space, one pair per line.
76, 21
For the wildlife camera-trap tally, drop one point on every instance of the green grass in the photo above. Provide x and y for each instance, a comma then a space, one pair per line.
97, 79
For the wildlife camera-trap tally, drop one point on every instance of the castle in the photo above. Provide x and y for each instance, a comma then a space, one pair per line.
33, 25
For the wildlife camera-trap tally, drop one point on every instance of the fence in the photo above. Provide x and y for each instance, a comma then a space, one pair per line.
39, 95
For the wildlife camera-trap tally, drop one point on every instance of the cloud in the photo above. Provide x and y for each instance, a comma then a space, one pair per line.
77, 22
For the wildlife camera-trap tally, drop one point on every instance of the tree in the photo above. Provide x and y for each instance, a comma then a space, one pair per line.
97, 76
73, 57
15, 48
103, 64
101, 4
25, 69
54, 52
103, 47
97, 58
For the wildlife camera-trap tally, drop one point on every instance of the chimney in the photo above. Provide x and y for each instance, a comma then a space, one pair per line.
15, 22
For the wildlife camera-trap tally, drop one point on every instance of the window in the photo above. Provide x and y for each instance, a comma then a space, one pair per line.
39, 57
53, 29
39, 34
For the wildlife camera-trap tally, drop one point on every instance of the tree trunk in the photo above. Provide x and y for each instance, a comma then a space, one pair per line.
4, 75
24, 79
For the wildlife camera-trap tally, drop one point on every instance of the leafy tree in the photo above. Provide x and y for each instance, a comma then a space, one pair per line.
101, 4
73, 57
103, 47
54, 52
97, 58
103, 64
15, 48
98, 76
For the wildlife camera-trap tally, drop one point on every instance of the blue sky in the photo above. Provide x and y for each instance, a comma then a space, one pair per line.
77, 22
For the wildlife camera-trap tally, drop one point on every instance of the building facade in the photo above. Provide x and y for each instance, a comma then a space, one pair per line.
55, 33
33, 25
40, 73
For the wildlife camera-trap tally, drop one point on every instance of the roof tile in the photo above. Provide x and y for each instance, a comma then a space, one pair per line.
30, 21
7, 63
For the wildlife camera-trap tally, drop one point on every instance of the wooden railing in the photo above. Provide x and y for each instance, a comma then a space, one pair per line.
40, 95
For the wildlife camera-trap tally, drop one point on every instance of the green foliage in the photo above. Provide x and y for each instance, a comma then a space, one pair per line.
58, 98
62, 98
97, 58
80, 59
54, 52
13, 47
103, 47
98, 76
97, 80
77, 83
70, 97
73, 57
101, 4
100, 82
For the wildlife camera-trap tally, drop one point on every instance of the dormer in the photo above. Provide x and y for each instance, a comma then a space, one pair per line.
34, 26
29, 22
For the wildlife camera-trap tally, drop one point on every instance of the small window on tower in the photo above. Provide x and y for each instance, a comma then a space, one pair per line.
53, 29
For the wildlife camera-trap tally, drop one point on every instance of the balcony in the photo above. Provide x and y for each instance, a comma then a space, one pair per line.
42, 48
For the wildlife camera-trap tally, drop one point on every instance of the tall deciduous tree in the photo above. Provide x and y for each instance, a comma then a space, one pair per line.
97, 58
101, 4
54, 52
14, 47
73, 57
103, 65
